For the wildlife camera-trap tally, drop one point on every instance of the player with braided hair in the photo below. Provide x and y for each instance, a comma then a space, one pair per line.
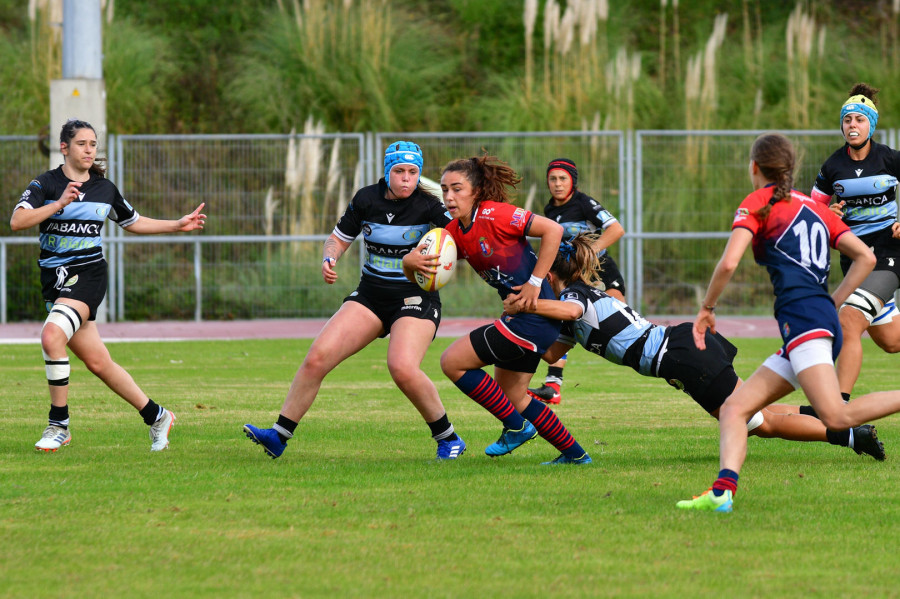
608, 327
791, 235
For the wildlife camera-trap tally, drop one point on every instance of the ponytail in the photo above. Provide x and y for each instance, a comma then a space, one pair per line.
774, 155
577, 260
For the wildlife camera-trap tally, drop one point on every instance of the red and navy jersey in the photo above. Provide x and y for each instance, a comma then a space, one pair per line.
793, 242
72, 236
496, 246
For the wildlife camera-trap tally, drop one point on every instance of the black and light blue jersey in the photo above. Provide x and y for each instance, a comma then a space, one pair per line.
71, 237
580, 214
867, 186
613, 330
390, 228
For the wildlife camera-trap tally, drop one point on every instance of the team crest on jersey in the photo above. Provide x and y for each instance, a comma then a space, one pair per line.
102, 211
486, 249
412, 235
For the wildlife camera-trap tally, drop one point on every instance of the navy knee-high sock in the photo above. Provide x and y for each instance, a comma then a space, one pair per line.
482, 388
550, 428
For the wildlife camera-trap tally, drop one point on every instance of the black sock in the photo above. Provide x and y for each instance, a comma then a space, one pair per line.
809, 411
845, 396
442, 430
841, 438
555, 372
287, 425
151, 412
59, 416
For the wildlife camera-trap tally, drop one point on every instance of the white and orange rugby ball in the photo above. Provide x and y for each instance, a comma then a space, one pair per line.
438, 241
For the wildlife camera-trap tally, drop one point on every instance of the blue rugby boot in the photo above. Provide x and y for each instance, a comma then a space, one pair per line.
564, 459
267, 437
510, 440
450, 450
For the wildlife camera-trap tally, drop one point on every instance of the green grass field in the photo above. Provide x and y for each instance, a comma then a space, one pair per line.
358, 507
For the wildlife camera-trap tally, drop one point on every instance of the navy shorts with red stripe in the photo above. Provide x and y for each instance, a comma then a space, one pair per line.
813, 318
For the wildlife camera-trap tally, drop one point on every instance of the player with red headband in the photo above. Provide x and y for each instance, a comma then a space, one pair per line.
579, 213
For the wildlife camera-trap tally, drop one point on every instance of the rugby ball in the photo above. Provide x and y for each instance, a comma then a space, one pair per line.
438, 241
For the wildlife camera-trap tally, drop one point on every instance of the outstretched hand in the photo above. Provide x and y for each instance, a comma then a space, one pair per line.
706, 319
192, 221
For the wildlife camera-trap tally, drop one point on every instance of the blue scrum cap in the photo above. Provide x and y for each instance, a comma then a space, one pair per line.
402, 152
860, 105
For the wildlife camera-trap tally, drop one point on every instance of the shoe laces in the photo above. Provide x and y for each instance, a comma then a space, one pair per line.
52, 432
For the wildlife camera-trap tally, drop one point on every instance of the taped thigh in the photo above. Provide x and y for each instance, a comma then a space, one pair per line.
866, 302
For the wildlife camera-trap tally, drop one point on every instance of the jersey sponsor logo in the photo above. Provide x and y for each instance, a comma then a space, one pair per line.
486, 249
67, 243
838, 188
517, 217
26, 194
367, 230
487, 211
92, 229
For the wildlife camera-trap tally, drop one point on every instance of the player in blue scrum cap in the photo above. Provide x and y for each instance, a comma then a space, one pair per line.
392, 215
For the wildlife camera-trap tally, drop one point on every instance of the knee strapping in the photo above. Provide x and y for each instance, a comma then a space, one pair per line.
57, 370
867, 303
755, 422
886, 315
66, 318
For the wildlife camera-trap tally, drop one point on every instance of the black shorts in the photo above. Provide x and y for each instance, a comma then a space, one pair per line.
83, 283
392, 301
610, 277
492, 347
887, 255
708, 376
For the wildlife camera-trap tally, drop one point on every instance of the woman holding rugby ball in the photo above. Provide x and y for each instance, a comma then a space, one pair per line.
392, 216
